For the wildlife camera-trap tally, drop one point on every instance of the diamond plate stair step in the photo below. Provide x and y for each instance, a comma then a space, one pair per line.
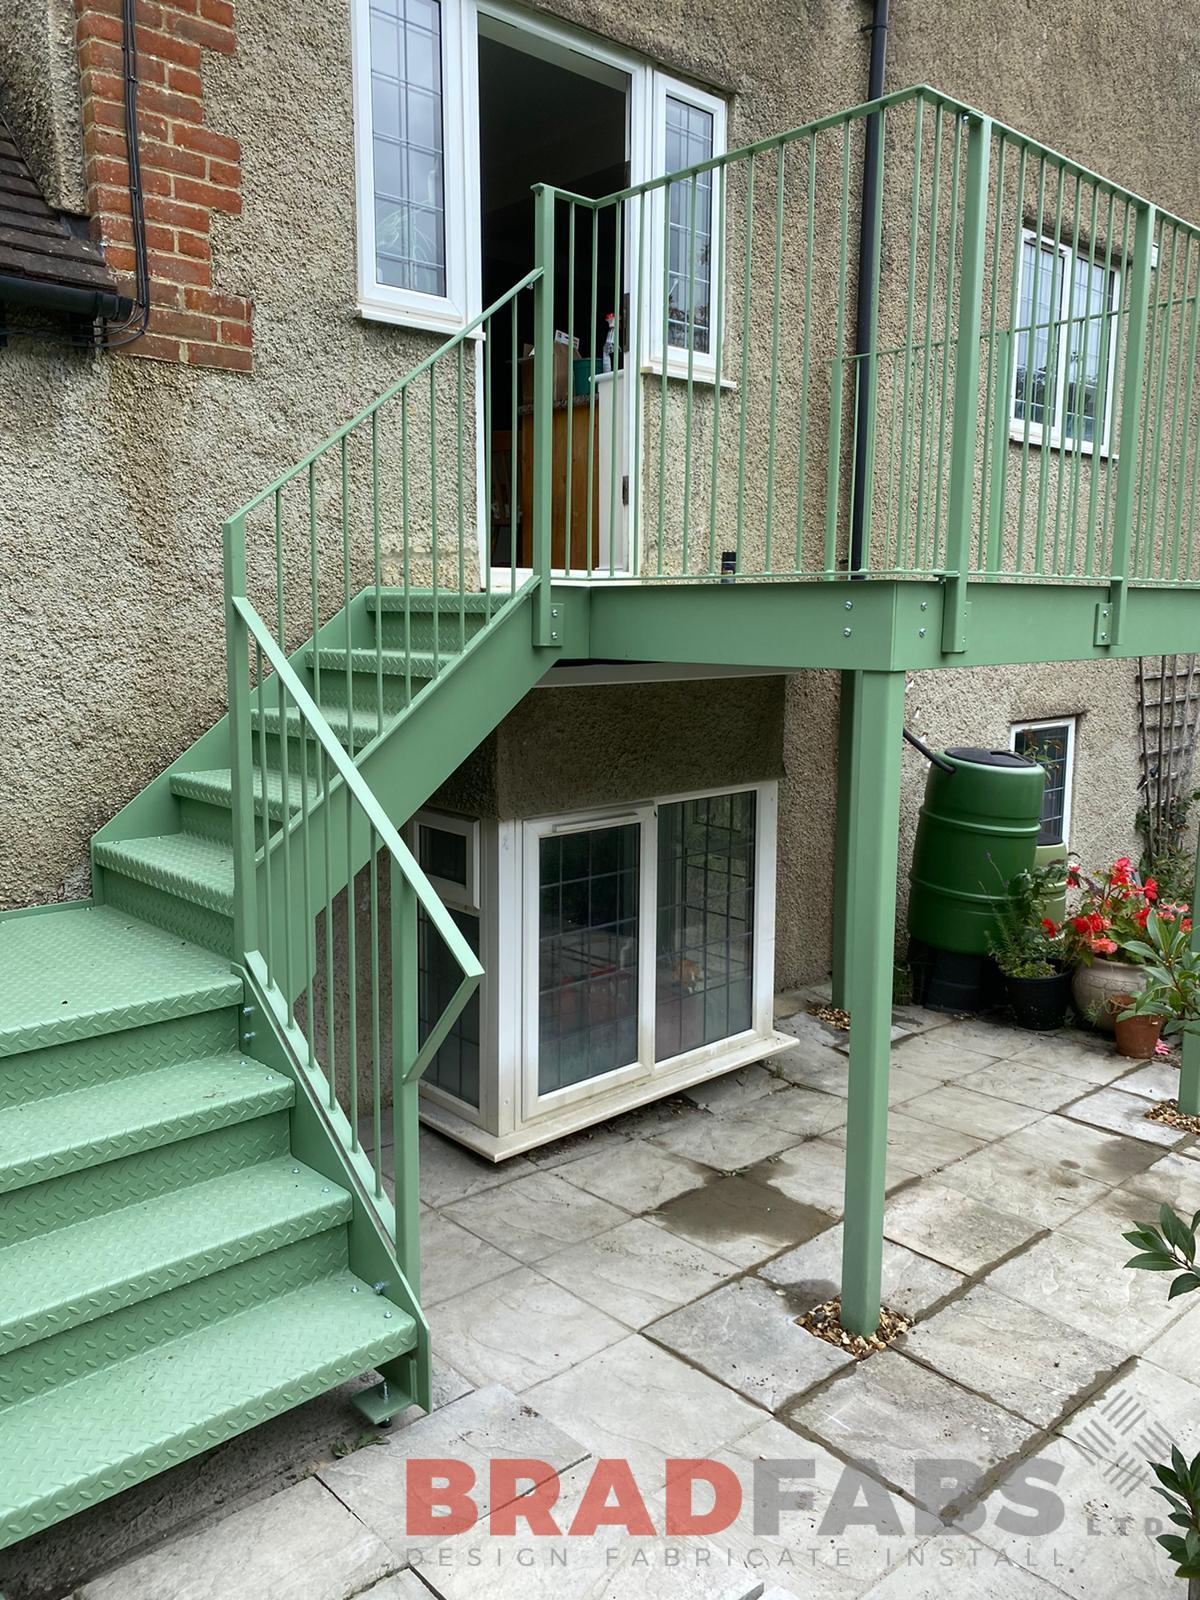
76, 972
391, 663
420, 601
72, 1446
58, 1068
68, 1131
69, 1276
366, 724
215, 788
76, 1196
187, 865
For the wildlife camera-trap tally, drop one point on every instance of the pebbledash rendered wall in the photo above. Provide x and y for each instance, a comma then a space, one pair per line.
117, 469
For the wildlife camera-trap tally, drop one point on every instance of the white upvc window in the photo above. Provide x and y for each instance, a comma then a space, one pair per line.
1066, 333
1050, 742
648, 940
689, 128
411, 165
417, 151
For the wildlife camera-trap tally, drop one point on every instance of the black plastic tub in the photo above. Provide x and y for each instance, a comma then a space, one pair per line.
1039, 1003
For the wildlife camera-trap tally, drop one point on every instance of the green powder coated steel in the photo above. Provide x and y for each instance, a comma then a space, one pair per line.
978, 829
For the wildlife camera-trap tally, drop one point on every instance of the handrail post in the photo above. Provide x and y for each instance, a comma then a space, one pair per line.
1108, 629
960, 510
545, 624
241, 756
405, 1088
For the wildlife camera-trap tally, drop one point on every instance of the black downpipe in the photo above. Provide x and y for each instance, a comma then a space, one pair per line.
868, 258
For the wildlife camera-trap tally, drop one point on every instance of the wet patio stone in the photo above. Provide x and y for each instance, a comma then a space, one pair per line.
1073, 1146
1007, 1178
741, 1221
983, 1116
1025, 1083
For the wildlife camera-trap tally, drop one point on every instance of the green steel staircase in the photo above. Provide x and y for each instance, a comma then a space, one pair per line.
209, 1074
195, 1231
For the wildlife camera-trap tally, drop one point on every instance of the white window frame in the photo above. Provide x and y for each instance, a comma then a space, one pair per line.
1054, 437
1071, 725
536, 1105
383, 302
463, 897
648, 91
703, 364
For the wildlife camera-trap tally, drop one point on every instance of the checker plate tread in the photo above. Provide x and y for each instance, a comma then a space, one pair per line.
114, 1427
67, 1131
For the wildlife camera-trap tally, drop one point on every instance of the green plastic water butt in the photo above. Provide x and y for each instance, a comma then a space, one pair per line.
978, 828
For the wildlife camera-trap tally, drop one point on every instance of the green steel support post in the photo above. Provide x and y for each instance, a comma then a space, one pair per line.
960, 508
545, 629
1109, 630
1189, 1075
241, 760
405, 1090
851, 684
872, 827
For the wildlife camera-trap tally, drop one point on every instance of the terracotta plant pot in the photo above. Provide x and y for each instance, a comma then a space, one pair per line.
1094, 988
1137, 1036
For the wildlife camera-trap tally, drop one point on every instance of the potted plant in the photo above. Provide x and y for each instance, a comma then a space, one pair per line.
1028, 949
1109, 920
1169, 1000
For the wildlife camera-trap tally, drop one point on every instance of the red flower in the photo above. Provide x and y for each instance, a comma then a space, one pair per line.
1073, 877
1049, 927
1142, 917
1105, 947
1150, 889
1081, 924
1186, 924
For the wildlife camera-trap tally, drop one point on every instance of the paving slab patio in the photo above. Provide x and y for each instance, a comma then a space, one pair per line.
632, 1292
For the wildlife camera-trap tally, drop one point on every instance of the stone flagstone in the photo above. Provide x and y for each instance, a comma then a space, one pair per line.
950, 1227
639, 1402
452, 1259
535, 1215
609, 1564
302, 1544
899, 1416
1007, 1178
1022, 1358
746, 1334
519, 1329
724, 1142
813, 1273
488, 1425
641, 1179
983, 1116
815, 1174
1123, 1113
919, 1146
638, 1272
1078, 1283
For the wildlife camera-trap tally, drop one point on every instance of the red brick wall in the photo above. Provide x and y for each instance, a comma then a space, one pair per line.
190, 171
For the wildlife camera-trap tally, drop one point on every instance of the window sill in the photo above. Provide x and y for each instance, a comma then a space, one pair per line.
1065, 447
396, 316
678, 372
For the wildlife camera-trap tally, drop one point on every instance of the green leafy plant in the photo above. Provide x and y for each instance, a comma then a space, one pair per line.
1172, 967
1026, 942
1171, 1247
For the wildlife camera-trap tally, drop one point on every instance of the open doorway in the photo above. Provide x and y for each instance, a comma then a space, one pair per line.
548, 113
